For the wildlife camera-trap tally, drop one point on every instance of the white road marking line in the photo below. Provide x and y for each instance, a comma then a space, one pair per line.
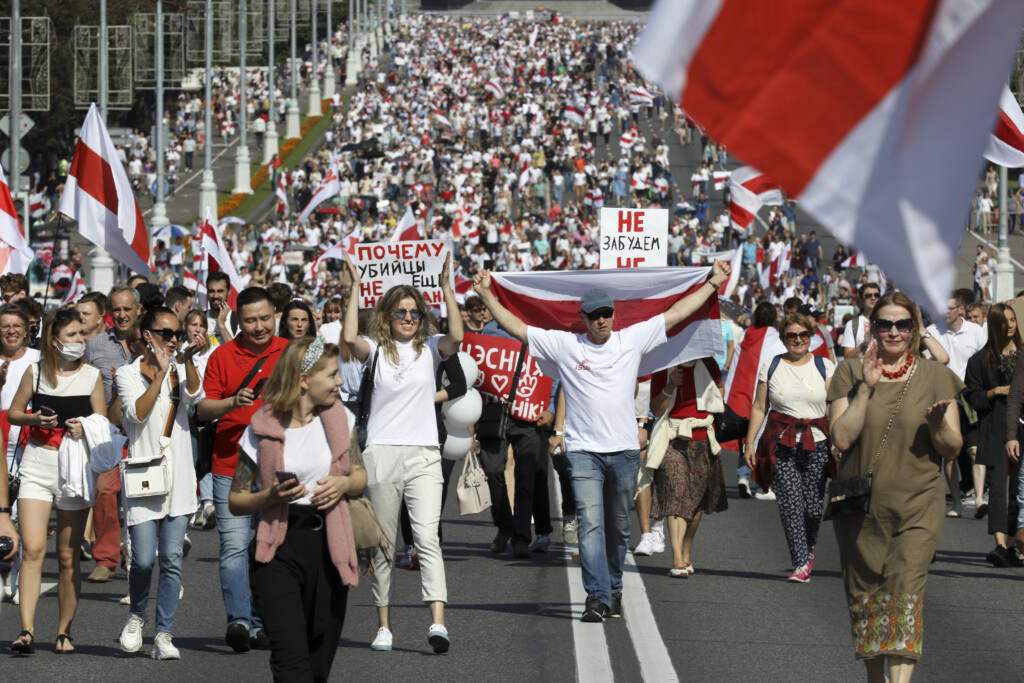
655, 664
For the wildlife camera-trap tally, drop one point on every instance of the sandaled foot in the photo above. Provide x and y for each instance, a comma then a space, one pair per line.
64, 646
25, 644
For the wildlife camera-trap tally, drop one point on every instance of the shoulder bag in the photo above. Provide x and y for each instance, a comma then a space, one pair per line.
363, 401
145, 477
474, 494
206, 432
852, 496
493, 425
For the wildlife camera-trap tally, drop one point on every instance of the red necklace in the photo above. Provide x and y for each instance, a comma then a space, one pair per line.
902, 371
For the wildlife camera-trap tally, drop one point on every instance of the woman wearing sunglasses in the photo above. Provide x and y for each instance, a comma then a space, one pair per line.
792, 455
155, 393
402, 455
893, 415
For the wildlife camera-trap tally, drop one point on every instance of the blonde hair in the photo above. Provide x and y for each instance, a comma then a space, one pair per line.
379, 327
800, 319
284, 388
897, 298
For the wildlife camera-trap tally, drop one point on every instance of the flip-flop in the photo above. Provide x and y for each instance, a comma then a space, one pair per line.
64, 640
22, 646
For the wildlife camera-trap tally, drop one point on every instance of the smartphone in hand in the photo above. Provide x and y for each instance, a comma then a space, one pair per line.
286, 477
258, 389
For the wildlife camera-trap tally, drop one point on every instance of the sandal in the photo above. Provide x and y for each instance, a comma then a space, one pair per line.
25, 644
64, 646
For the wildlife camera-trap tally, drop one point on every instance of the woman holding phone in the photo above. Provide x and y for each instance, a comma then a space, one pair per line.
61, 388
155, 392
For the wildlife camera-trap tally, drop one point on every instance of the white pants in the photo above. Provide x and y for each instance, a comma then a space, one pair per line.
412, 472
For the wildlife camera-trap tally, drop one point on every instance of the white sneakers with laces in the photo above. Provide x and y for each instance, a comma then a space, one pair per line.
383, 641
649, 544
131, 634
163, 648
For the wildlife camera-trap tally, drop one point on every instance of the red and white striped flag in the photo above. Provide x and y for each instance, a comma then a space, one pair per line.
442, 119
720, 178
190, 281
757, 347
749, 190
493, 86
736, 261
37, 205
407, 228
771, 275
1006, 144
575, 112
329, 187
76, 291
216, 258
626, 140
282, 191
15, 254
853, 261
99, 196
641, 96
551, 300
343, 250
533, 36
865, 159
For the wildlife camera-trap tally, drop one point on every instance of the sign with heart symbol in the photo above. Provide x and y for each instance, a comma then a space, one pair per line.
496, 359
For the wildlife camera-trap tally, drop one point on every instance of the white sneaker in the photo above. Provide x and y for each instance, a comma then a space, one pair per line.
570, 529
126, 600
438, 638
646, 545
131, 634
163, 648
744, 487
659, 542
761, 495
383, 640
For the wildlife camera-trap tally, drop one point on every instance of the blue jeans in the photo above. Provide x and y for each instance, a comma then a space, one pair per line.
743, 471
603, 484
143, 548
234, 557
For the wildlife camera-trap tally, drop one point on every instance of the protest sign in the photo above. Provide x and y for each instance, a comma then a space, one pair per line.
496, 358
634, 238
383, 265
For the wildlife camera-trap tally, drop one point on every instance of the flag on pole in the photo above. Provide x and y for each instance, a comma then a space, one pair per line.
407, 229
344, 250
865, 159
75, 291
99, 196
551, 300
771, 275
749, 190
217, 258
282, 191
493, 86
442, 119
15, 254
1006, 144
533, 36
853, 261
575, 112
329, 187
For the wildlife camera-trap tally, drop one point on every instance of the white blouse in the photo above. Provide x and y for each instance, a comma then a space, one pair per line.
144, 443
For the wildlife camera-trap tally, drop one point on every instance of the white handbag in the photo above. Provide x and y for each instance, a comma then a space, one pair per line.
145, 477
474, 495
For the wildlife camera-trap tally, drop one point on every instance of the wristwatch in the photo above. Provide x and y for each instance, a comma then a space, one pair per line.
926, 335
558, 433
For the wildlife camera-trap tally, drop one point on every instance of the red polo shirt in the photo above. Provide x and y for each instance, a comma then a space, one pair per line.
228, 366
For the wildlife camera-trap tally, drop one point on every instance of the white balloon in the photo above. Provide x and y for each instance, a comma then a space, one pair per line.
469, 369
457, 444
463, 411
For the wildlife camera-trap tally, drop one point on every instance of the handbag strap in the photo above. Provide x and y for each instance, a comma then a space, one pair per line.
175, 400
515, 377
892, 418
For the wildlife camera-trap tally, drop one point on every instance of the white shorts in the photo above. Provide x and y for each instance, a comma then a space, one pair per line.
39, 480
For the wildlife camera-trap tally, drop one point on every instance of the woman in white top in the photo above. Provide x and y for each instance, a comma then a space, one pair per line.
796, 438
61, 388
16, 358
402, 455
152, 390
196, 325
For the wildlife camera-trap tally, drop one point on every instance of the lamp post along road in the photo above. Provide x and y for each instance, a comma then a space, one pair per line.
1004, 269
207, 187
352, 59
329, 66
159, 218
314, 79
270, 139
292, 129
242, 175
15, 127
101, 275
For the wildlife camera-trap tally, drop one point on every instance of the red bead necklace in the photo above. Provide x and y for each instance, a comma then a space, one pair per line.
896, 374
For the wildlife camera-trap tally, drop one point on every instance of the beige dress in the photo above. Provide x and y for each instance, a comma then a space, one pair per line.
885, 554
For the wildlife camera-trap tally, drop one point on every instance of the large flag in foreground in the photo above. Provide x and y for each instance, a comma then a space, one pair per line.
1006, 144
15, 254
217, 258
551, 300
901, 100
98, 195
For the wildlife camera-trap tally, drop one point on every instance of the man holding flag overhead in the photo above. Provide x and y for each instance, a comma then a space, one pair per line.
598, 369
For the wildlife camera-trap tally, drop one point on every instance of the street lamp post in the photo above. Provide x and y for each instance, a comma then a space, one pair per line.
1004, 269
292, 128
314, 79
352, 61
101, 274
329, 68
242, 175
159, 218
208, 188
270, 141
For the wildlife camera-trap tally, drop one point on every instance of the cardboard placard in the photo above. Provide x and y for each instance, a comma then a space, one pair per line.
383, 265
496, 358
634, 238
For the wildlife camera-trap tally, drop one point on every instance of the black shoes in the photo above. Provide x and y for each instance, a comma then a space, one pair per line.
500, 542
1003, 557
595, 611
521, 549
260, 641
616, 610
238, 637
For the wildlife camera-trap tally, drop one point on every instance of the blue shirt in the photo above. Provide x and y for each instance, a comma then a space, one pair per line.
749, 252
727, 337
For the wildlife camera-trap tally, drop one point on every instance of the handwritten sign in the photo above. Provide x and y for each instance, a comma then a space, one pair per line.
496, 358
634, 238
383, 265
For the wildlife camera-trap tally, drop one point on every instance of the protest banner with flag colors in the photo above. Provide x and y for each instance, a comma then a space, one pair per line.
1006, 144
551, 300
864, 160
15, 254
217, 258
329, 187
99, 196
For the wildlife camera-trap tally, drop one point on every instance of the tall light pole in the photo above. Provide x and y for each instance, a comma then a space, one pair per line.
329, 68
270, 140
371, 30
292, 127
14, 132
101, 65
208, 188
101, 275
314, 79
242, 175
352, 59
159, 218
1004, 269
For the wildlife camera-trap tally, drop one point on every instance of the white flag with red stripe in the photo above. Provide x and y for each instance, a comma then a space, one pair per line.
736, 261
192, 282
771, 275
15, 254
749, 190
886, 160
854, 261
641, 96
551, 300
758, 346
442, 119
575, 112
1006, 144
282, 191
493, 86
217, 258
533, 36
720, 178
76, 291
329, 187
407, 229
344, 250
99, 196
37, 205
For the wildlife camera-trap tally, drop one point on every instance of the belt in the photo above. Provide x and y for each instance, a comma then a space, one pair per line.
308, 518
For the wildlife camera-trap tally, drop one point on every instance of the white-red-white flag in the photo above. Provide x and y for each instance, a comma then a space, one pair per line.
551, 300
757, 347
407, 228
736, 261
749, 190
344, 250
866, 159
775, 270
575, 112
641, 96
720, 178
853, 261
76, 290
37, 205
99, 196
533, 36
1006, 144
329, 187
493, 86
282, 191
442, 119
15, 254
217, 258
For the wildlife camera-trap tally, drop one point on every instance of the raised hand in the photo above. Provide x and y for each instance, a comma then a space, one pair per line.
446, 273
872, 365
936, 412
482, 282
720, 272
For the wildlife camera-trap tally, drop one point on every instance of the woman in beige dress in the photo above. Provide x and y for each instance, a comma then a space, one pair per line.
885, 553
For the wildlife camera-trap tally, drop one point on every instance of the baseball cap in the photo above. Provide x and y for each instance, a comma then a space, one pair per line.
594, 299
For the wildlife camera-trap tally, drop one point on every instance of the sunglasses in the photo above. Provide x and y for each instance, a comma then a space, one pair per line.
400, 313
168, 334
903, 326
872, 295
795, 336
605, 312
475, 309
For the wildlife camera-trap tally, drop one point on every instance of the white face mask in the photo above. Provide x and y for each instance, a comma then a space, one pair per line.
71, 350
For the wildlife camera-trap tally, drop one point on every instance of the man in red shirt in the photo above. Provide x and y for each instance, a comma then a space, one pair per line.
233, 373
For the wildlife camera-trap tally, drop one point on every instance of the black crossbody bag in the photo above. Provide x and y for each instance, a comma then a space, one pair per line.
493, 424
206, 432
363, 400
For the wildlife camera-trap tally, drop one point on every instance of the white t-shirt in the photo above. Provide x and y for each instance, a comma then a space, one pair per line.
331, 332
306, 453
798, 390
960, 346
402, 407
853, 337
598, 380
14, 374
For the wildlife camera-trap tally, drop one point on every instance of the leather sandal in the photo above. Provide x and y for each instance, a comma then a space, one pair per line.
64, 646
25, 644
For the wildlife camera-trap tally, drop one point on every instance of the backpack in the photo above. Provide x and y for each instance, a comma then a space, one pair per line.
819, 363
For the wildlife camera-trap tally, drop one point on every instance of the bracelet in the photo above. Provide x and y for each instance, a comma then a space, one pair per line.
7, 510
666, 392
559, 433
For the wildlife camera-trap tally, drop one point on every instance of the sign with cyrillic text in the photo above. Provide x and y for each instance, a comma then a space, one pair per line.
383, 265
496, 359
634, 238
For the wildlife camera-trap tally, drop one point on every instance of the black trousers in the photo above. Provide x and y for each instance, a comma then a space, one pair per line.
561, 465
530, 450
302, 600
1002, 498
